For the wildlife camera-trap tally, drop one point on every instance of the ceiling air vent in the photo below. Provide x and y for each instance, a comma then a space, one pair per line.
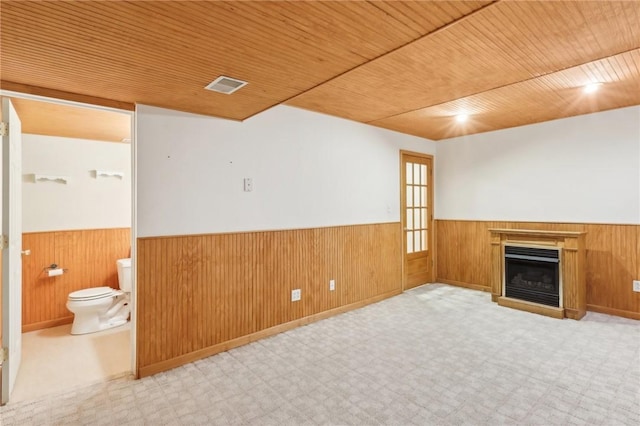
226, 85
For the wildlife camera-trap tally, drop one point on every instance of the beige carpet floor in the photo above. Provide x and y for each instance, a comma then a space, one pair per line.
434, 355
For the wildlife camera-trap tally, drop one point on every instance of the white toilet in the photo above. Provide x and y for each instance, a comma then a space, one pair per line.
100, 308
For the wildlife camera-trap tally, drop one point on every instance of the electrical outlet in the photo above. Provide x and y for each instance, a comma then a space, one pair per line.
296, 294
636, 285
248, 184
332, 285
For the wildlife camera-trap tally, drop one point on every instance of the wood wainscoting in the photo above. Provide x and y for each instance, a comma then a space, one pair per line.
203, 294
89, 257
613, 259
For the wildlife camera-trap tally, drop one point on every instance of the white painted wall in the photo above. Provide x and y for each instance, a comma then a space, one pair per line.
85, 202
308, 170
579, 169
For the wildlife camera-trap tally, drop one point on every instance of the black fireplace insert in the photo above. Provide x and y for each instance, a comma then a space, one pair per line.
532, 274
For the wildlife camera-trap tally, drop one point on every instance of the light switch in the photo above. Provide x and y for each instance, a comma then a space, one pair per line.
248, 184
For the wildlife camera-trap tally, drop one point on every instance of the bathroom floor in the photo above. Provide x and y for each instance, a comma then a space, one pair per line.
53, 360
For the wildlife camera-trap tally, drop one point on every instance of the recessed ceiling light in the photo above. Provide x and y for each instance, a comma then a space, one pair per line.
592, 87
462, 117
226, 85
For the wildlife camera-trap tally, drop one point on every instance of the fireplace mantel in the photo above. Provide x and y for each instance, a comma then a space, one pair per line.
572, 269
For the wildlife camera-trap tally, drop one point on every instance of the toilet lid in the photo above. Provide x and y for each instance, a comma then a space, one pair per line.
91, 293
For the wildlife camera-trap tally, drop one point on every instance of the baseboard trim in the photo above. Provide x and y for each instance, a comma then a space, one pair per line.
463, 284
47, 324
159, 367
613, 311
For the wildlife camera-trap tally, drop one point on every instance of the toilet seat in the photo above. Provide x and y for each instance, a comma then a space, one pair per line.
92, 293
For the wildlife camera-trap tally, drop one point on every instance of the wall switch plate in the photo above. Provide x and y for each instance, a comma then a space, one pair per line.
636, 285
248, 184
332, 285
296, 294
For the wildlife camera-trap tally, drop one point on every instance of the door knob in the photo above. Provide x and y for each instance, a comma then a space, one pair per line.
26, 252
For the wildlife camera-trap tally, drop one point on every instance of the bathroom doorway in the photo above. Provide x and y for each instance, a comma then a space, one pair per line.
77, 214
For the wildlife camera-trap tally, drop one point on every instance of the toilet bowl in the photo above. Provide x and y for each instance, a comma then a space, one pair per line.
101, 308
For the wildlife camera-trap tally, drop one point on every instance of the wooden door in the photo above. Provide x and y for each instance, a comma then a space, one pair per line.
417, 218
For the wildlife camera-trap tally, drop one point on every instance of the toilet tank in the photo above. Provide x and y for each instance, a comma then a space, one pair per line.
124, 274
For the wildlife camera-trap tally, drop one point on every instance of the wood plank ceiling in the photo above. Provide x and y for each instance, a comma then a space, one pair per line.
406, 66
50, 119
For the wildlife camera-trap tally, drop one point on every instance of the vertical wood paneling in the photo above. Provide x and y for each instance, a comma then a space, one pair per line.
89, 256
612, 259
464, 252
612, 264
38, 290
195, 292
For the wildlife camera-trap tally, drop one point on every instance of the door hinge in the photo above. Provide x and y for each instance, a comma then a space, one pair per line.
4, 128
4, 355
4, 242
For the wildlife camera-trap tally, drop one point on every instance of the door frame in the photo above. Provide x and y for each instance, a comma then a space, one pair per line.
430, 221
100, 105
